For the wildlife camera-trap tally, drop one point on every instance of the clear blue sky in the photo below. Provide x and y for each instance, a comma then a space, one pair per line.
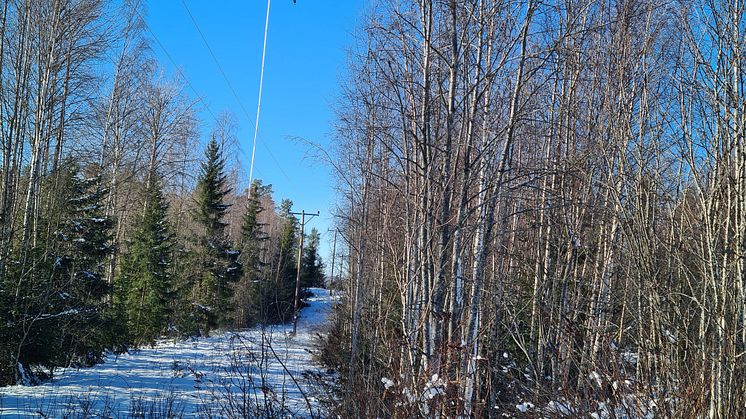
306, 60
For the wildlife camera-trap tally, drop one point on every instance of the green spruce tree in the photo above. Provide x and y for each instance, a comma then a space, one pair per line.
281, 297
59, 313
217, 265
144, 285
81, 247
312, 267
250, 292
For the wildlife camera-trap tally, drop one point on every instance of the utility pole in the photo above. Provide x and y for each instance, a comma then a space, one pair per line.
300, 253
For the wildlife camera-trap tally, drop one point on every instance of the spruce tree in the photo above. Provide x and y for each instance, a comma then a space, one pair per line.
251, 290
144, 281
81, 248
281, 297
59, 314
186, 318
217, 262
312, 267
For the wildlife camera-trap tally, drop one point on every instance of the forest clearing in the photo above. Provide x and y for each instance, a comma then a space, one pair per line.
523, 208
248, 373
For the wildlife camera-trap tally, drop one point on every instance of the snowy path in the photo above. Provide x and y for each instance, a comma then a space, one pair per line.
219, 376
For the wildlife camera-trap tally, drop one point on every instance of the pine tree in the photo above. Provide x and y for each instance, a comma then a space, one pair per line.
251, 290
144, 285
218, 267
312, 267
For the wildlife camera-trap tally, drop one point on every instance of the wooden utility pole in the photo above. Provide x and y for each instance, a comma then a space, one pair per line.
300, 254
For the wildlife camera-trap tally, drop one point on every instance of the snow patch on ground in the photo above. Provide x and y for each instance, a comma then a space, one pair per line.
524, 407
197, 377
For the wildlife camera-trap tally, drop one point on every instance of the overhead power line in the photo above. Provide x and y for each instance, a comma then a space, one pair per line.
170, 58
259, 100
230, 85
176, 66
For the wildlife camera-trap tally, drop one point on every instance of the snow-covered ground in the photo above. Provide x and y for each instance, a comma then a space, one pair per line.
229, 374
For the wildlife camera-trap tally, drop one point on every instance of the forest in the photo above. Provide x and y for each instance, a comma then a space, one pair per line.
117, 227
541, 207
544, 205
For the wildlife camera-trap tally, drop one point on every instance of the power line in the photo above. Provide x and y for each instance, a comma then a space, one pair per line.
176, 66
200, 98
230, 85
259, 100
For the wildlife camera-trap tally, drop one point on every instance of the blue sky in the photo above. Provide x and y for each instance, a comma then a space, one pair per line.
306, 60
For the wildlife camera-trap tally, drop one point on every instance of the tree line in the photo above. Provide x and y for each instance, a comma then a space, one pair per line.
543, 202
114, 231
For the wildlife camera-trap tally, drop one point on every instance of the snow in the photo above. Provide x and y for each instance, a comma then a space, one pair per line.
203, 377
629, 357
89, 275
68, 312
524, 407
24, 376
561, 408
596, 377
202, 307
433, 388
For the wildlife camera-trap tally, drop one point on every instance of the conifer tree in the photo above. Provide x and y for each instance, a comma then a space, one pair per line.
81, 248
186, 316
218, 267
251, 290
283, 293
312, 267
144, 282
59, 314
